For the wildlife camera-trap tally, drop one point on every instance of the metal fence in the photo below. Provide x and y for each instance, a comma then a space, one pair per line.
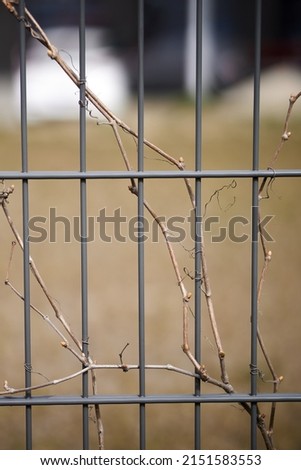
29, 401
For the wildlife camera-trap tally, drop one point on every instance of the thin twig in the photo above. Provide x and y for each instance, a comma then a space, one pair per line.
59, 315
267, 254
8, 390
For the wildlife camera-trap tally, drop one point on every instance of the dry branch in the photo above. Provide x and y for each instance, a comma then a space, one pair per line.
8, 390
267, 257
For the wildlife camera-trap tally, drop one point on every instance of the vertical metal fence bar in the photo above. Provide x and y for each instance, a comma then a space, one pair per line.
25, 213
255, 216
83, 215
198, 212
141, 286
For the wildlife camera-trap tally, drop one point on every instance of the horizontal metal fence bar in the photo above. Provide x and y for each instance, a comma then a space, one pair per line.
77, 175
151, 399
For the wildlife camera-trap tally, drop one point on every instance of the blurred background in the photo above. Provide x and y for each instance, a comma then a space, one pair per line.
53, 144
169, 49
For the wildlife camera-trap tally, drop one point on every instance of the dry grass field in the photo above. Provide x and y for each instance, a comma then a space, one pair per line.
112, 275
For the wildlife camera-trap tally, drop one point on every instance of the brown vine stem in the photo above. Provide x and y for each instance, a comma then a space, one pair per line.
267, 255
37, 32
91, 366
58, 313
284, 138
211, 311
39, 278
8, 390
64, 342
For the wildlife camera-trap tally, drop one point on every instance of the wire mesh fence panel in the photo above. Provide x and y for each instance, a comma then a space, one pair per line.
140, 305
